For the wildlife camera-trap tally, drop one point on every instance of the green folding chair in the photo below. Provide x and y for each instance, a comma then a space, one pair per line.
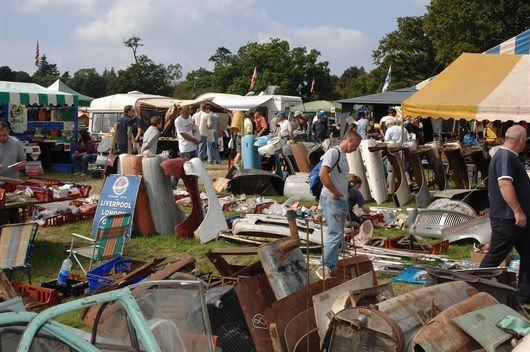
108, 242
16, 242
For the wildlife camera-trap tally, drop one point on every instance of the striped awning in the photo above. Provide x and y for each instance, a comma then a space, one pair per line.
31, 93
477, 86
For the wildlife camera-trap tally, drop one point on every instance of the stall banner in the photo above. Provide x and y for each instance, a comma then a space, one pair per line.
118, 196
34, 168
18, 116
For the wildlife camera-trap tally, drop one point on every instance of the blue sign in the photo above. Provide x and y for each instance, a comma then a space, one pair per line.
118, 197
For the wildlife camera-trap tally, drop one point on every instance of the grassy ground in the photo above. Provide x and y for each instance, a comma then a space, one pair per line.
52, 242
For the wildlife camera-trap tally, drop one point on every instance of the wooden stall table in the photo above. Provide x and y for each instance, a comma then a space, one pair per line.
11, 204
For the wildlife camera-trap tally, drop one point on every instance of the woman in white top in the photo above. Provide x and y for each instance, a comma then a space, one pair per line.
151, 136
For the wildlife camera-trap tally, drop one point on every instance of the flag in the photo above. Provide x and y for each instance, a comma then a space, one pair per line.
254, 77
312, 85
37, 54
387, 79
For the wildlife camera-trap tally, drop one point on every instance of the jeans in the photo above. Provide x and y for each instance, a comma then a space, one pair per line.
203, 146
81, 162
213, 152
505, 235
335, 211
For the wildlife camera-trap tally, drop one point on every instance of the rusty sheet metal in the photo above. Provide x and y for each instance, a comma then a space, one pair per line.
300, 152
503, 293
477, 228
372, 295
436, 165
415, 243
480, 159
433, 336
355, 266
423, 197
411, 310
287, 272
217, 258
333, 300
255, 295
363, 329
458, 165
283, 311
297, 330
402, 195
481, 325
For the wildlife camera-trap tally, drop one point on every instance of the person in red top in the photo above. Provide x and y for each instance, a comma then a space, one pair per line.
262, 128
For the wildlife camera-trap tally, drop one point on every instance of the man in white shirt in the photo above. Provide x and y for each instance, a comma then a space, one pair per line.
203, 119
383, 122
395, 132
187, 142
284, 130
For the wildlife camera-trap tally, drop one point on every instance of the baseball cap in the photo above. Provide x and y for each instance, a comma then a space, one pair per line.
281, 113
322, 115
298, 112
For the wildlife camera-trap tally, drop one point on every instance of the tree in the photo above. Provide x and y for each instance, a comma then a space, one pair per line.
133, 43
277, 64
7, 74
46, 74
89, 82
145, 76
111, 81
410, 52
459, 26
347, 84
222, 54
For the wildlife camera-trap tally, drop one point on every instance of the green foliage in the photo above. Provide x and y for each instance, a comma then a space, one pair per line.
145, 76
277, 64
133, 43
459, 26
7, 74
47, 73
89, 82
410, 52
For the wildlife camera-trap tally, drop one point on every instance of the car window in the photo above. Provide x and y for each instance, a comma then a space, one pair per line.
10, 337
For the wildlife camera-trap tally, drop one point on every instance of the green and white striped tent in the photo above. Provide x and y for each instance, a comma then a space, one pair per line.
31, 93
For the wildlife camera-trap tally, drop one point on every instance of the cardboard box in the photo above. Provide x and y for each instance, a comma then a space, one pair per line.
476, 257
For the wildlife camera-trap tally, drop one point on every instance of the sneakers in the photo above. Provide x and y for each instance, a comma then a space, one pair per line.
77, 173
323, 272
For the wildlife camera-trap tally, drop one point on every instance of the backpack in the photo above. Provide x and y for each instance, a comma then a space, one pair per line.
315, 185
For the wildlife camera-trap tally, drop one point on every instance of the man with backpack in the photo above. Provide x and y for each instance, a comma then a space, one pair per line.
334, 199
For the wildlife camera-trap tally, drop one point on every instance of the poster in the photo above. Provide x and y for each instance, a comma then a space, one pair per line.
117, 197
18, 116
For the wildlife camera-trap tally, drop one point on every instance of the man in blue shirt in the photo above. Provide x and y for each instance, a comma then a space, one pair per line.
129, 119
320, 127
509, 194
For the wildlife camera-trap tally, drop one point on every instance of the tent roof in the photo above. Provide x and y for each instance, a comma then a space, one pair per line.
477, 86
316, 105
391, 97
31, 93
60, 86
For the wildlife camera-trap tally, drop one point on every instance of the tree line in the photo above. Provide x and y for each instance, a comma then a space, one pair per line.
420, 47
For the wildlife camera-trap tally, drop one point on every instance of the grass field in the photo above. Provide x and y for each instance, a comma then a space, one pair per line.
51, 244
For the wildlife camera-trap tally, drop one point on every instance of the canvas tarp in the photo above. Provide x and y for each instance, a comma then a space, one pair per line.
391, 97
317, 105
60, 86
477, 86
31, 93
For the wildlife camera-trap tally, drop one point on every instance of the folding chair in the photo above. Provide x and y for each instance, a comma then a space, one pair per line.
108, 242
16, 241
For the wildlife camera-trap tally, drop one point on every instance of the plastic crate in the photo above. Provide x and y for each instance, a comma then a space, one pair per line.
65, 168
76, 285
42, 194
103, 274
42, 297
60, 219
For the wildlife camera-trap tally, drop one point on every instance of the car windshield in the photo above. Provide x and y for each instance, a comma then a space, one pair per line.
174, 311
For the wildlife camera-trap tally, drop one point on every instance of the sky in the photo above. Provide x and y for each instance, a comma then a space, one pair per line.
90, 33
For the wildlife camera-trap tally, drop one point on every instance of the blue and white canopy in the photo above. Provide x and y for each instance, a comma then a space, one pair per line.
31, 93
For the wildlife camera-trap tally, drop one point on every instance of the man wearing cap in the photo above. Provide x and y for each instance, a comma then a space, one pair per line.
284, 130
302, 122
320, 127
